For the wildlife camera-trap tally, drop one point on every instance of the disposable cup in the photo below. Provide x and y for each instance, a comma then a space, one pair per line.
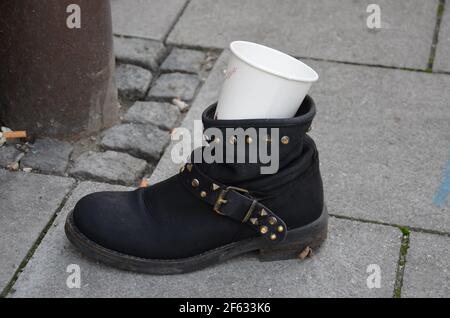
261, 82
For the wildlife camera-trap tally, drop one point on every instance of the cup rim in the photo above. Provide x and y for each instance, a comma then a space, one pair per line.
311, 79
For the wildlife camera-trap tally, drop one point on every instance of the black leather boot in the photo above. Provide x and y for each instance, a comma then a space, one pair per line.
211, 212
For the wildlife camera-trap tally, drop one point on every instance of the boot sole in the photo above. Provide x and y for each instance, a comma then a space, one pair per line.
298, 244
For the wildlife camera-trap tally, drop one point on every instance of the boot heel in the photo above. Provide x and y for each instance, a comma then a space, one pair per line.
298, 250
300, 243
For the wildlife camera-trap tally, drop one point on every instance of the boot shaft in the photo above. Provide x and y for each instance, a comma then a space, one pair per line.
259, 152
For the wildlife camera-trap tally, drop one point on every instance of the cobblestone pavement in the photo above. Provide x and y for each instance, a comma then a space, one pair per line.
383, 129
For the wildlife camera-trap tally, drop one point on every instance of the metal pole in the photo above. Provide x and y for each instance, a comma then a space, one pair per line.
57, 67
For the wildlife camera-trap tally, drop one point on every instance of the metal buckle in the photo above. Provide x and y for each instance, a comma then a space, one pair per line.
221, 198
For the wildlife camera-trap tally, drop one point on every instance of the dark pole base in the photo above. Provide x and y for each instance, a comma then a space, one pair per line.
57, 80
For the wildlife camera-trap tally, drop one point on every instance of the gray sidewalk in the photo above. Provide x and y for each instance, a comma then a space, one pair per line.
382, 129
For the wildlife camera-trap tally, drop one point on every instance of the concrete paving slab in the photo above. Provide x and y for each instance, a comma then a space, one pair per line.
326, 29
27, 202
338, 269
442, 60
384, 139
151, 19
427, 271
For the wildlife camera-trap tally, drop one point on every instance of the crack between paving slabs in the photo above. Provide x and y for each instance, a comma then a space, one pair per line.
9, 288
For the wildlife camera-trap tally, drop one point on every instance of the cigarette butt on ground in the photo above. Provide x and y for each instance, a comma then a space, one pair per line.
305, 253
183, 106
144, 183
15, 134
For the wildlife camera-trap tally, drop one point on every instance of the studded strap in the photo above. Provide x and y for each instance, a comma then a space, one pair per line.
234, 203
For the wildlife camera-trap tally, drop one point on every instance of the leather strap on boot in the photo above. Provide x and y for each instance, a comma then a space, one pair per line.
234, 203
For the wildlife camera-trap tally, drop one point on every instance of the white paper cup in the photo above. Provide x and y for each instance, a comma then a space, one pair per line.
261, 82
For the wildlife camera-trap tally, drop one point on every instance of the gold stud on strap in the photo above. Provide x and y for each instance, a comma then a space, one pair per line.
254, 221
285, 140
263, 229
272, 220
195, 183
